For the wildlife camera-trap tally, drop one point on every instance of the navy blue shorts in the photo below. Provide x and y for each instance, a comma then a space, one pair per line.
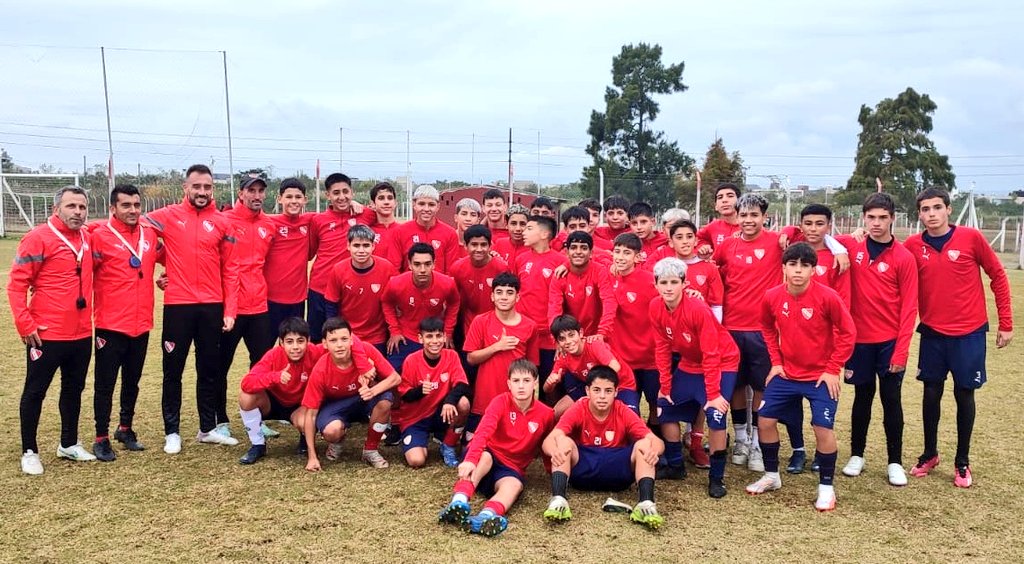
603, 469
963, 356
868, 361
781, 395
489, 482
278, 312
316, 314
689, 396
348, 410
573, 386
278, 410
647, 382
472, 422
418, 434
397, 358
754, 360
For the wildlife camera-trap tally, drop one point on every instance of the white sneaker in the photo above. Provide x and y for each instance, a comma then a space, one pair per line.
740, 452
826, 498
897, 476
215, 438
373, 458
854, 466
30, 464
769, 482
172, 443
75, 452
755, 462
268, 432
222, 429
333, 451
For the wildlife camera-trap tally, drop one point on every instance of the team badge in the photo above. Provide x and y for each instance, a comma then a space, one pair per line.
434, 301
208, 225
444, 376
412, 301
533, 426
415, 238
820, 270
883, 266
589, 290
352, 221
759, 253
303, 230
490, 282
100, 342
436, 244
330, 226
953, 255
407, 440
860, 257
700, 279
631, 296
807, 312
375, 288
688, 338
546, 272
303, 377
145, 245
283, 230
527, 267
35, 353
169, 347
609, 435
262, 231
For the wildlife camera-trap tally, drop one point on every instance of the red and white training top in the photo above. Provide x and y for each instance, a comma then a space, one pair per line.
588, 296
619, 429
475, 286
254, 232
809, 334
442, 378
594, 353
406, 304
440, 236
716, 233
511, 435
704, 346
749, 269
536, 272
328, 241
633, 337
265, 376
327, 382
360, 297
492, 374
124, 299
287, 266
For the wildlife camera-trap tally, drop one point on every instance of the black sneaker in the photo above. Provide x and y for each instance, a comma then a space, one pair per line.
103, 451
391, 437
716, 489
670, 472
255, 453
815, 465
128, 438
301, 449
797, 462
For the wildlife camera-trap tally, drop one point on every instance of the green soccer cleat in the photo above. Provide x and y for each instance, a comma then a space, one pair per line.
646, 513
558, 510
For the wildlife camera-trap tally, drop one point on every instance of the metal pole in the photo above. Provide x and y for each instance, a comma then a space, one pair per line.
472, 160
510, 202
227, 107
696, 207
538, 162
600, 189
341, 148
110, 137
786, 186
408, 173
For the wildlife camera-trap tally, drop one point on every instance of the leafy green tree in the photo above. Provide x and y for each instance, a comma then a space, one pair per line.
894, 147
719, 166
638, 162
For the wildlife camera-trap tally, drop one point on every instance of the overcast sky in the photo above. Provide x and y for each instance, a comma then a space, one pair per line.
782, 82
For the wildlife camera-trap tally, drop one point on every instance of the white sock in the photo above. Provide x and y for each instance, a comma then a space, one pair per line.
460, 497
823, 489
753, 437
253, 419
801, 449
741, 433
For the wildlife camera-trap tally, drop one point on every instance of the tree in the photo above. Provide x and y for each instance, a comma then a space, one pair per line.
637, 161
719, 166
894, 147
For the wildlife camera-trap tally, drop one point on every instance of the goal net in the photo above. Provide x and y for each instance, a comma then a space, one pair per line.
27, 199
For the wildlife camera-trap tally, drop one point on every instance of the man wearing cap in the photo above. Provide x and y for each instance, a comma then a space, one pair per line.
287, 266
200, 302
54, 262
424, 229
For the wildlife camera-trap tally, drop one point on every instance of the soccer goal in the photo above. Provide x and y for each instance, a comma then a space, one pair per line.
26, 200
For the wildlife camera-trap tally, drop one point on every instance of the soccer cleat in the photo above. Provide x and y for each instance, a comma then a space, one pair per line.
30, 464
699, 456
716, 489
255, 453
815, 464
392, 436
755, 462
646, 513
854, 466
740, 452
214, 437
670, 472
223, 429
486, 524
558, 509
172, 443
826, 499
373, 458
301, 449
128, 439
268, 432
797, 462
924, 466
897, 477
448, 454
75, 452
769, 482
455, 513
333, 451
962, 476
103, 451
615, 506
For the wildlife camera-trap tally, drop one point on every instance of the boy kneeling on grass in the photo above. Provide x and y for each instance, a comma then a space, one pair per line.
506, 442
600, 444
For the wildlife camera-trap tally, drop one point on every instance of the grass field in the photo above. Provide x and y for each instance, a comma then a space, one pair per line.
202, 506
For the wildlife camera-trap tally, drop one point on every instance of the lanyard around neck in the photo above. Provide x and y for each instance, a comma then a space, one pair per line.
77, 252
138, 254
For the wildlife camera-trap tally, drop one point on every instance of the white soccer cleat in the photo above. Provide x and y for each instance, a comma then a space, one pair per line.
755, 462
215, 438
75, 452
172, 443
333, 451
223, 429
897, 477
854, 466
769, 482
374, 458
30, 464
826, 498
740, 452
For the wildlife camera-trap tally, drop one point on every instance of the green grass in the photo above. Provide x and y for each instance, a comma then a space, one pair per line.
203, 506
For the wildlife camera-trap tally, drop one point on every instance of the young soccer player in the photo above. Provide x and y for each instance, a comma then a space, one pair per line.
600, 445
337, 395
616, 215
704, 377
356, 288
701, 275
579, 355
585, 292
577, 218
954, 321
494, 208
467, 214
385, 200
644, 224
423, 228
543, 207
506, 442
287, 265
809, 334
434, 393
474, 275
594, 208
509, 248
727, 224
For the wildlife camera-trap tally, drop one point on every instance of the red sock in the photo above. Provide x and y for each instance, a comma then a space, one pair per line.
101, 437
465, 487
123, 428
496, 506
451, 438
372, 439
696, 440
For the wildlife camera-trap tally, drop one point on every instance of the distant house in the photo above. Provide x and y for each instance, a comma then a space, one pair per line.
449, 198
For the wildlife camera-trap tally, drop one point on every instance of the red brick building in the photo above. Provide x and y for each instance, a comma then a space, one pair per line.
446, 208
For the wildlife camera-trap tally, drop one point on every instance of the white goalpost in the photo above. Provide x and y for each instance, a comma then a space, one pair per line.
26, 199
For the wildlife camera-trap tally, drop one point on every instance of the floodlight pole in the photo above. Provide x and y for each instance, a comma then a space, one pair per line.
110, 137
227, 107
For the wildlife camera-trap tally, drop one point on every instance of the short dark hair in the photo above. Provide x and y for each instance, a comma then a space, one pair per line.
295, 325
507, 280
432, 325
360, 231
126, 189
590, 204
543, 202
562, 324
546, 223
575, 212
640, 209
727, 186
493, 194
420, 249
523, 365
335, 178
382, 187
603, 372
200, 168
629, 240
69, 189
682, 223
932, 192
752, 201
579, 237
335, 324
879, 200
816, 209
474, 231
291, 183
616, 202
801, 252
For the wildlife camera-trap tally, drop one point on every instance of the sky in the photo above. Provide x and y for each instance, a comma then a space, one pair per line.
357, 84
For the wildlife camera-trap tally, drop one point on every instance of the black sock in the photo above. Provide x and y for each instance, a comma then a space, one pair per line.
753, 419
890, 390
559, 483
931, 411
717, 472
860, 418
964, 424
770, 455
739, 416
826, 467
645, 489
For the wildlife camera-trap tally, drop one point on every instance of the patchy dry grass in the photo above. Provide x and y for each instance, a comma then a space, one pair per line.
203, 506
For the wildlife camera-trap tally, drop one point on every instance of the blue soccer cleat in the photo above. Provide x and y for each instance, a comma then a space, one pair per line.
486, 524
455, 513
450, 457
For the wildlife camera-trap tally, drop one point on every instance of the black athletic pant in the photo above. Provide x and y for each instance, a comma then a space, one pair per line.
72, 357
183, 324
890, 388
255, 330
117, 351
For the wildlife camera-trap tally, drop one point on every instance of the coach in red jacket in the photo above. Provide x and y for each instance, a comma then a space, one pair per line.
54, 264
200, 302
